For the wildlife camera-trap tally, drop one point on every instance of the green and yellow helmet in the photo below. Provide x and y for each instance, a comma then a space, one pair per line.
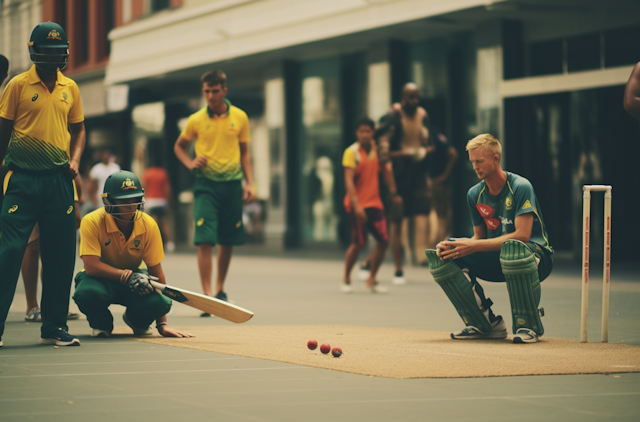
122, 185
49, 47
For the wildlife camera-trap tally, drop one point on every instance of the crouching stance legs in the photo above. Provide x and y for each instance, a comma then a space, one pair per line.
520, 269
467, 296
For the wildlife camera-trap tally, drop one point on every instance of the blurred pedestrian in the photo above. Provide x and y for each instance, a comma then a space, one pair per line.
157, 198
105, 168
41, 114
363, 204
221, 135
632, 93
440, 164
404, 139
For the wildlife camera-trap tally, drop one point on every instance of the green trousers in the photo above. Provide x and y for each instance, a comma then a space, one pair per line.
94, 296
47, 198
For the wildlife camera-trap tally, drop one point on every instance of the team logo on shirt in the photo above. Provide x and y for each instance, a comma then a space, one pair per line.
70, 209
107, 242
54, 35
65, 97
128, 184
13, 209
521, 321
485, 210
200, 222
238, 224
35, 97
492, 223
509, 203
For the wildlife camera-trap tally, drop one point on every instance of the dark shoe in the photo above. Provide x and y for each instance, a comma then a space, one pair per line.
72, 315
221, 296
136, 331
60, 338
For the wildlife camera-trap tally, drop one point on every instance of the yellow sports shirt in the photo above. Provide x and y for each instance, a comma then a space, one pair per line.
40, 137
100, 236
218, 140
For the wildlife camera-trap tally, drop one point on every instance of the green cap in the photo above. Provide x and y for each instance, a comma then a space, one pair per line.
122, 185
48, 35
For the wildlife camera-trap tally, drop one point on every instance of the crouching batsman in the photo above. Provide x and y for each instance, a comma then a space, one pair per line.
114, 242
509, 244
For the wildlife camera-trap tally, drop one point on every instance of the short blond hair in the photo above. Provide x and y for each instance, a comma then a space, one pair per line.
486, 140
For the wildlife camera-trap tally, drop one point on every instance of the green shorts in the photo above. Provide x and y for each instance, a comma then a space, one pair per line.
217, 212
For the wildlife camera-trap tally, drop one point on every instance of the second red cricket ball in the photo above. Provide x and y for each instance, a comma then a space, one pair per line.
325, 348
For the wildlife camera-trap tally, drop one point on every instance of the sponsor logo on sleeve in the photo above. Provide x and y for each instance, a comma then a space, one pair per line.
136, 243
200, 222
107, 242
485, 210
13, 209
70, 209
35, 97
526, 205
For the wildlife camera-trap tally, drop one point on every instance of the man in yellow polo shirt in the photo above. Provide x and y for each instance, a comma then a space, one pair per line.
42, 137
114, 242
221, 135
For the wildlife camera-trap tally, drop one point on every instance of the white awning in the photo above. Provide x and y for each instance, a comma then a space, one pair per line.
226, 29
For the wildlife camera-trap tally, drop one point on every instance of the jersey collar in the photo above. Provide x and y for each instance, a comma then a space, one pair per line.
34, 78
227, 102
112, 227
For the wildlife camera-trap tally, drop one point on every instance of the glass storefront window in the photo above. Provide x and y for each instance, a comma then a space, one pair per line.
320, 149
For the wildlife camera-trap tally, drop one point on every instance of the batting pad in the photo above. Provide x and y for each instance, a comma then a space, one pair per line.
521, 273
458, 289
397, 353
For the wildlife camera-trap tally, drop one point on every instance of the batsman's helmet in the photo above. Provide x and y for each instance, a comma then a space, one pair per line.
49, 47
122, 185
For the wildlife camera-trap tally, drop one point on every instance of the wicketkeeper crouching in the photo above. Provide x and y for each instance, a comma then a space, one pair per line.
114, 242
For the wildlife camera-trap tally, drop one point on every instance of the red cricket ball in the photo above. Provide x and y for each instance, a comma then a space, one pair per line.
336, 352
325, 348
312, 344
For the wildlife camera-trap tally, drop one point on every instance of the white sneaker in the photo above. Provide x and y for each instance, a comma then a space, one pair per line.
346, 288
364, 272
498, 331
376, 288
525, 335
398, 278
96, 332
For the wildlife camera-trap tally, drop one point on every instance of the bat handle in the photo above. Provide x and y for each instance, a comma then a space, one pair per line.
157, 285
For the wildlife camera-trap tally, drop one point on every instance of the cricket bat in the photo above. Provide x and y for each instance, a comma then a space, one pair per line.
208, 304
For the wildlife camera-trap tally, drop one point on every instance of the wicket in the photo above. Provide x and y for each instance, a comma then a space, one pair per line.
586, 217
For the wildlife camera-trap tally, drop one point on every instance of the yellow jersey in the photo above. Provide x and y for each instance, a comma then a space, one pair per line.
218, 138
40, 138
100, 236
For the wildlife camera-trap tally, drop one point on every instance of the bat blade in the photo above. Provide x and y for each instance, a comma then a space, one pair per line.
211, 305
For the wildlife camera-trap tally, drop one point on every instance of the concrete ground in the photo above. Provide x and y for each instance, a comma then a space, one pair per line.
121, 379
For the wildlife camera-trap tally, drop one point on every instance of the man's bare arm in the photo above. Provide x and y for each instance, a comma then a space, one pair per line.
180, 149
245, 162
632, 93
6, 127
78, 140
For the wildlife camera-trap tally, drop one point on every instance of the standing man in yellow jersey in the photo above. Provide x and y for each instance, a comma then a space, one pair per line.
114, 241
40, 120
221, 135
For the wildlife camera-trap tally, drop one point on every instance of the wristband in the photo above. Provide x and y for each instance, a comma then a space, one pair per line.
124, 277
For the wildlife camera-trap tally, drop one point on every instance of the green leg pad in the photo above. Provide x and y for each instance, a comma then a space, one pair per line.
459, 291
521, 273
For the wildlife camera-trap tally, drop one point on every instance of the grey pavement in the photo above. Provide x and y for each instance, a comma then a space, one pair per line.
106, 379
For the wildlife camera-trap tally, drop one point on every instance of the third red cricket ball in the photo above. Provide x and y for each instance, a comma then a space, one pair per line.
336, 352
325, 348
312, 344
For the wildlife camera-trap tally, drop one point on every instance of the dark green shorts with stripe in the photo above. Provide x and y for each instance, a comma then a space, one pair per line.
217, 212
